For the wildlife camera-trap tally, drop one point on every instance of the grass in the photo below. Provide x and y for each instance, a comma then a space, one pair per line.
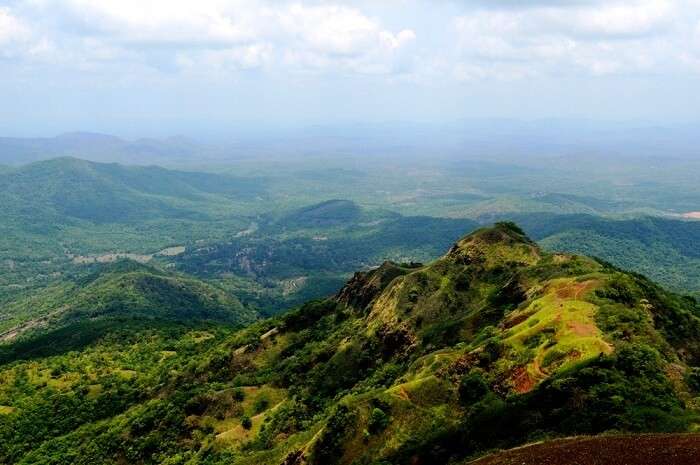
6, 410
559, 329
231, 432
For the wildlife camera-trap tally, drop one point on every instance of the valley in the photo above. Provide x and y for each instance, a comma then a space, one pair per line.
227, 223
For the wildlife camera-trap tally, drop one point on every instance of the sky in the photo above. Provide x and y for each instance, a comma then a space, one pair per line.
158, 67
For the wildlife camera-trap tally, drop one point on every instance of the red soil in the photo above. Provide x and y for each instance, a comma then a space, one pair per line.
522, 381
582, 329
647, 449
576, 290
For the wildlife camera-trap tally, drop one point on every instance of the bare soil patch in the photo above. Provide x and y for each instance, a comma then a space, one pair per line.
580, 328
522, 381
576, 290
646, 449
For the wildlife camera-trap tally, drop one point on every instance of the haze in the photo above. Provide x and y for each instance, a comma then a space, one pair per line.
207, 68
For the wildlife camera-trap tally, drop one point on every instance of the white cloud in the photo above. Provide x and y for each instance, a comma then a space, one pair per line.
226, 34
617, 20
12, 29
503, 39
607, 38
162, 22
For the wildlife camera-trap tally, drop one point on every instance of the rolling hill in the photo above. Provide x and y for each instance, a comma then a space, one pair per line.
328, 213
73, 314
495, 344
70, 188
56, 210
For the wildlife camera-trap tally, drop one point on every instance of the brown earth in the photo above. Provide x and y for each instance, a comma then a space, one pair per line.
582, 329
646, 449
522, 381
576, 290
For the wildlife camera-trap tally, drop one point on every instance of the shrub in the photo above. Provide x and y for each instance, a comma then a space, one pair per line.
472, 388
261, 404
378, 421
238, 394
329, 447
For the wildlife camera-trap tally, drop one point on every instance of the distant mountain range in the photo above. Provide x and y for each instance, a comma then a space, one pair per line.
492, 139
102, 148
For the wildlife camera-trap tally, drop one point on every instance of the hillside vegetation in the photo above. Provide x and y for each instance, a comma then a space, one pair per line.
74, 314
663, 249
259, 230
495, 344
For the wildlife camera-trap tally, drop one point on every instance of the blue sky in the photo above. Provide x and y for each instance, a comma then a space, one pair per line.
155, 67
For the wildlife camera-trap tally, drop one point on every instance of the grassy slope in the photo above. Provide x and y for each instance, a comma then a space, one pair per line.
495, 344
663, 249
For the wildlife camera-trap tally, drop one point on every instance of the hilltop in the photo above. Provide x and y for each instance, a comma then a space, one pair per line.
643, 449
495, 344
328, 213
74, 314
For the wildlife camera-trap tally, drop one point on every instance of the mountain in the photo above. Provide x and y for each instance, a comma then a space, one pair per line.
75, 314
662, 248
102, 148
111, 193
60, 211
495, 344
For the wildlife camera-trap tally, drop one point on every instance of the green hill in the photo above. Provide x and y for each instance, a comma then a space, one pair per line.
324, 214
663, 249
111, 193
495, 344
60, 209
74, 314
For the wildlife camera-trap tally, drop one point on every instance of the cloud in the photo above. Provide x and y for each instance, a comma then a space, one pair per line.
226, 34
12, 30
525, 4
556, 38
162, 22
429, 42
